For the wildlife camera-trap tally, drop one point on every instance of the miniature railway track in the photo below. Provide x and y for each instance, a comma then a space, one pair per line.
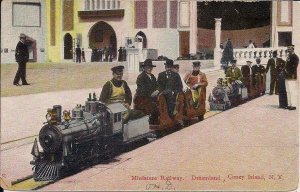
28, 183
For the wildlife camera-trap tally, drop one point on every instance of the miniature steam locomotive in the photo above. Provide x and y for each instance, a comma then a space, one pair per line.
94, 131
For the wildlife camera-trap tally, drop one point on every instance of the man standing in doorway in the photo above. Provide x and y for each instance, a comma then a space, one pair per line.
292, 62
22, 57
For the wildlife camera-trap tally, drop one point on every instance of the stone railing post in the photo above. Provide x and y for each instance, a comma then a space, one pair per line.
217, 50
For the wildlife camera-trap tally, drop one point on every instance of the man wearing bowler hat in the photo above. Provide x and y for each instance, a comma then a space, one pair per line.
146, 81
169, 84
117, 90
22, 57
196, 81
292, 86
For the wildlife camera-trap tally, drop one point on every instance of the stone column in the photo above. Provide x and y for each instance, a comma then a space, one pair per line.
217, 50
193, 27
150, 15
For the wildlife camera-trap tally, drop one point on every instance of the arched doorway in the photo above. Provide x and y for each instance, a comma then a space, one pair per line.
68, 47
142, 35
102, 35
31, 48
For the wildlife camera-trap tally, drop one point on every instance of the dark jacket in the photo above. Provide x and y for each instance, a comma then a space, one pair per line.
170, 83
22, 54
291, 66
145, 85
107, 91
235, 75
271, 65
78, 51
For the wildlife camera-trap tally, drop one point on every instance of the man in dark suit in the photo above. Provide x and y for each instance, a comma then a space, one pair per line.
22, 57
169, 84
292, 62
272, 63
78, 54
146, 81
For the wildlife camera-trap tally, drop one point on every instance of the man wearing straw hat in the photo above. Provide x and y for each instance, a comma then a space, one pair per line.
22, 57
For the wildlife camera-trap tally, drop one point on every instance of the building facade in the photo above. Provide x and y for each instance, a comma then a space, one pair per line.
169, 26
28, 17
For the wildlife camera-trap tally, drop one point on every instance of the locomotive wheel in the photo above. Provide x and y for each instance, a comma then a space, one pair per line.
201, 117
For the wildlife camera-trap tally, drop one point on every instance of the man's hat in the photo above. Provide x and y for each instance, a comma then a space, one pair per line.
148, 62
249, 61
275, 52
291, 46
233, 61
22, 35
197, 64
169, 63
118, 68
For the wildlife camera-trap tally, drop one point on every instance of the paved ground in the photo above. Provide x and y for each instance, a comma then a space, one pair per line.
250, 141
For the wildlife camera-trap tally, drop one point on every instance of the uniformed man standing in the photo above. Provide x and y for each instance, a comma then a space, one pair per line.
169, 84
22, 57
292, 62
196, 81
117, 90
282, 95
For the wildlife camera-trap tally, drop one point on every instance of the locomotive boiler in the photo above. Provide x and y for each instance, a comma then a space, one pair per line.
92, 132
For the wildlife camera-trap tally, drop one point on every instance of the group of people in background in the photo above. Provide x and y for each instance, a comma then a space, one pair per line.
283, 76
80, 54
102, 54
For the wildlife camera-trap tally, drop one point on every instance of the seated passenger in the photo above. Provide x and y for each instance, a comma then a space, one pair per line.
175, 69
169, 84
117, 90
196, 81
146, 81
234, 72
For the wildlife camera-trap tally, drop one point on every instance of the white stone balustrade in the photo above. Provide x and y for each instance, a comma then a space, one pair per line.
91, 5
244, 54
